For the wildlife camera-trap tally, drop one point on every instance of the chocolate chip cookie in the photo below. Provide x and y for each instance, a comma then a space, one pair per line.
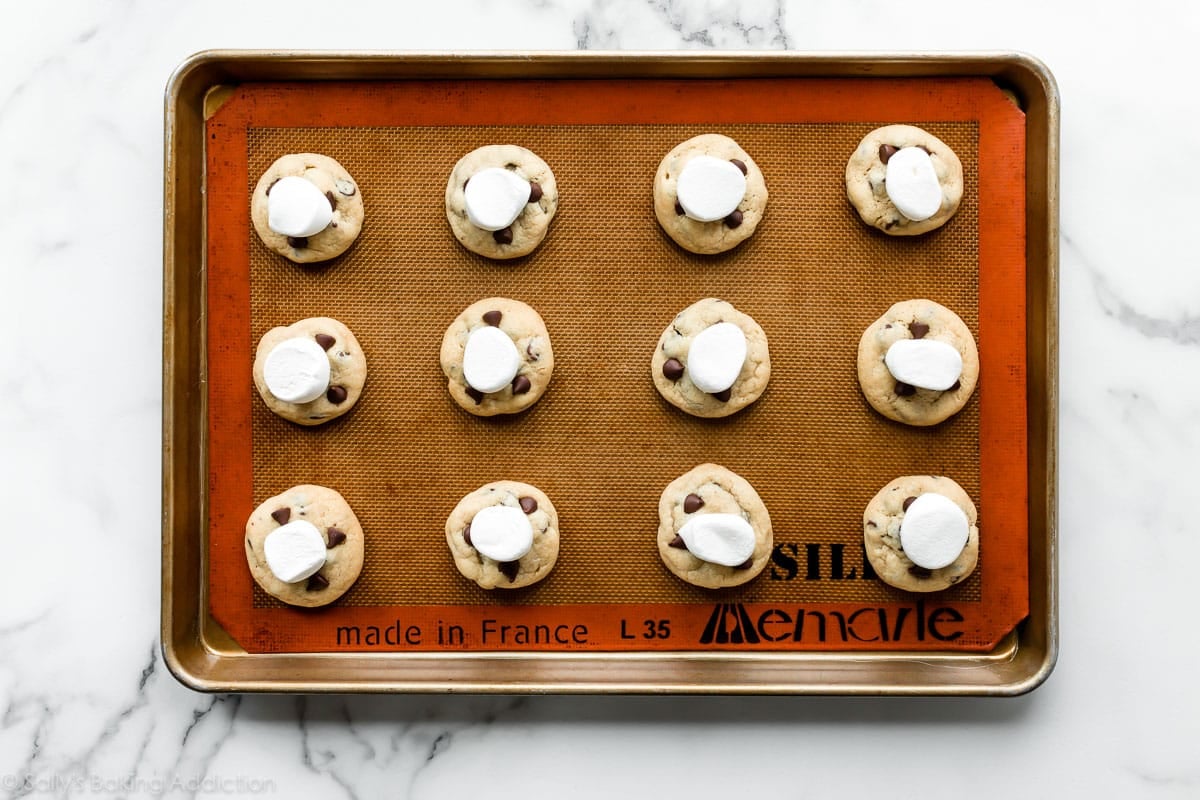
531, 511
692, 230
513, 362
867, 171
334, 522
347, 370
710, 489
676, 375
529, 227
922, 320
339, 189
882, 522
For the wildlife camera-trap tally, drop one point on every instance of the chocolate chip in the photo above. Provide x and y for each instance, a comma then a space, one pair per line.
908, 501
334, 537
332, 201
528, 504
521, 385
904, 390
747, 564
272, 186
492, 318
920, 572
317, 582
282, 515
509, 569
672, 369
692, 503
954, 387
467, 535
723, 395
345, 187
886, 151
529, 352
503, 236
734, 220
679, 209
475, 394
325, 340
298, 241
677, 543
737, 162
336, 395
918, 329
535, 191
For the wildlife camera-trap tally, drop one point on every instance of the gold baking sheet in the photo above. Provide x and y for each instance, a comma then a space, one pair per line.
200, 653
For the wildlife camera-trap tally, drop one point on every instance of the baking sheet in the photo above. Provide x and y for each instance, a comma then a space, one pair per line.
781, 307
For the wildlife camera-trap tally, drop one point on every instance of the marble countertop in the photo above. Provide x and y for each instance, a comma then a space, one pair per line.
86, 705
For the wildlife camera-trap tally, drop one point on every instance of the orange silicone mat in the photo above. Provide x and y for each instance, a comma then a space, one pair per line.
602, 443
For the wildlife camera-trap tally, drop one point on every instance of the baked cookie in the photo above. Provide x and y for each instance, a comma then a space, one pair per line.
904, 180
926, 519
508, 210
712, 360
713, 529
311, 371
305, 546
918, 363
504, 535
497, 358
315, 213
709, 195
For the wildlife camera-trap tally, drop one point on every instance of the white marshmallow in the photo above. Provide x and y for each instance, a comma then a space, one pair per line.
924, 363
490, 360
715, 357
502, 533
297, 370
719, 538
495, 197
295, 551
934, 531
710, 188
912, 184
296, 207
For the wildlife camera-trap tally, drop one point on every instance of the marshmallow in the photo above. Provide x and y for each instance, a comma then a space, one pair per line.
502, 533
490, 360
710, 188
295, 551
924, 363
718, 538
716, 355
912, 185
934, 531
495, 197
297, 370
296, 207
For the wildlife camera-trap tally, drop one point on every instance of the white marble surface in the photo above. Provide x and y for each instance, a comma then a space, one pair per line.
86, 706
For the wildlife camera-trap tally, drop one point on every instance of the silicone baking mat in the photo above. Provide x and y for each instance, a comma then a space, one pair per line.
602, 443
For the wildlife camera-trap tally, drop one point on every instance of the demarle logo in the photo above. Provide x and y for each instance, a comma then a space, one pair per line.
732, 623
729, 624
